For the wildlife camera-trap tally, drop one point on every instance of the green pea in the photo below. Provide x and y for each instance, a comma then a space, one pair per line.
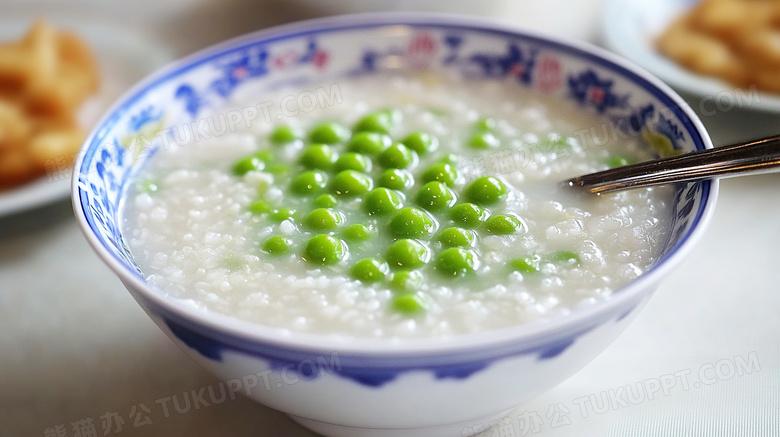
277, 245
421, 142
565, 257
353, 161
324, 219
325, 201
456, 262
358, 232
468, 215
351, 183
441, 172
503, 224
485, 124
369, 270
396, 179
486, 190
259, 207
282, 214
409, 304
435, 196
526, 265
407, 254
405, 281
398, 156
457, 237
618, 161
286, 134
381, 121
247, 164
265, 155
436, 112
382, 201
412, 222
449, 158
318, 156
484, 140
324, 249
277, 168
369, 143
558, 140
309, 182
149, 187
329, 133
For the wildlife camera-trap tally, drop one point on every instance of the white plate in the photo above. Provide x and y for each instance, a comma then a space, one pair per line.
631, 26
124, 56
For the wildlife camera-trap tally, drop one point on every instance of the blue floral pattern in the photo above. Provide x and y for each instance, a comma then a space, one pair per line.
588, 89
685, 206
248, 64
101, 196
645, 118
357, 369
146, 116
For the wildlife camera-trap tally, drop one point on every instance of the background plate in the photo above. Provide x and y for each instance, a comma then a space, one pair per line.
124, 57
630, 27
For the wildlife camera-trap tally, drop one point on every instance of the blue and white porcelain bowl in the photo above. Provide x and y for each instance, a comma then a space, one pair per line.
367, 387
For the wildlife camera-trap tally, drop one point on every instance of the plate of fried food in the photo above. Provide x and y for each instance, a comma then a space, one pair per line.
56, 77
715, 49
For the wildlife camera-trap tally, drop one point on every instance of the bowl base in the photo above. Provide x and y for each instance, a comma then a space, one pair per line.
449, 430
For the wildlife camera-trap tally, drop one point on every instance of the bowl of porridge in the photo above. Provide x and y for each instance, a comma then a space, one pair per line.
359, 221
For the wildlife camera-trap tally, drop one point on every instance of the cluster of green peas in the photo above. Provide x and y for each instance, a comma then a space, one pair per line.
409, 203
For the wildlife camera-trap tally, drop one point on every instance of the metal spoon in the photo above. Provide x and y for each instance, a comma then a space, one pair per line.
748, 157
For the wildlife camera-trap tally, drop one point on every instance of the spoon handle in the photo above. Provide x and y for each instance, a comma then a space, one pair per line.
750, 156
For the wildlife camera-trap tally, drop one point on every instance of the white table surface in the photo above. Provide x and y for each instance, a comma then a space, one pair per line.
702, 359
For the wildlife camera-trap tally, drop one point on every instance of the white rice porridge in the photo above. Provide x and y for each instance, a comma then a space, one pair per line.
193, 231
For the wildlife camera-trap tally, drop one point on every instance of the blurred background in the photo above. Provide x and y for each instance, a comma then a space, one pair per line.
188, 25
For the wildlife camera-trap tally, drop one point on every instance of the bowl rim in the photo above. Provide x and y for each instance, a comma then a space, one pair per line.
534, 332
